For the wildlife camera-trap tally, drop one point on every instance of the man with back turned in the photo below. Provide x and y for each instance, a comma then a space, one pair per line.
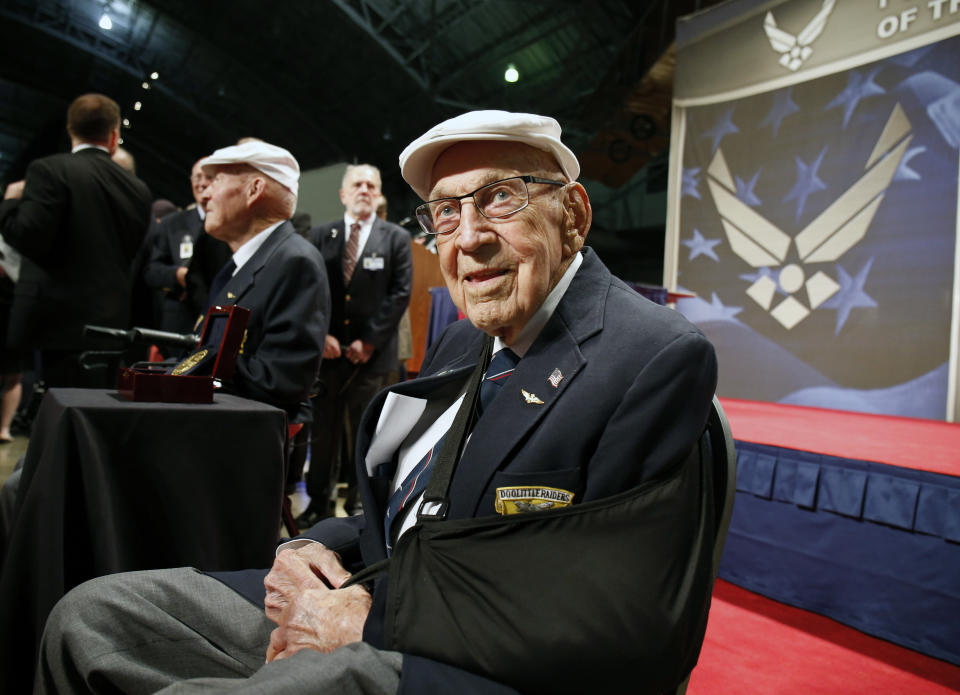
78, 219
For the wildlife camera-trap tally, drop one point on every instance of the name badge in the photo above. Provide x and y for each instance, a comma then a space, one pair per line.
373, 263
519, 499
186, 248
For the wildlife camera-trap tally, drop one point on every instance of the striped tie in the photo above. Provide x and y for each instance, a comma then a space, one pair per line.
411, 488
500, 369
350, 257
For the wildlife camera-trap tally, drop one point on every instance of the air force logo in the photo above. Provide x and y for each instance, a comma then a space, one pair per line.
794, 50
831, 234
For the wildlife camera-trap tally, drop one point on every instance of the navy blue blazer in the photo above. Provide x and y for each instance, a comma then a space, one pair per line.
284, 286
636, 387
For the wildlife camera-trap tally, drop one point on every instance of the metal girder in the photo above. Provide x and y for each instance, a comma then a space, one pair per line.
361, 19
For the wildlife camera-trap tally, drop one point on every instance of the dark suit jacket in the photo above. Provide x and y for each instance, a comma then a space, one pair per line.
371, 307
209, 256
163, 259
78, 225
284, 286
633, 401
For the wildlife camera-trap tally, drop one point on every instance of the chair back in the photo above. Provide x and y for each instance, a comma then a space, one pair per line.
717, 443
725, 471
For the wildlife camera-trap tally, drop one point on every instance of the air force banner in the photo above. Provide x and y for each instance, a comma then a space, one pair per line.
814, 200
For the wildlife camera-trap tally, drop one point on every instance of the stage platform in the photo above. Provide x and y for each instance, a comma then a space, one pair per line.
853, 516
924, 445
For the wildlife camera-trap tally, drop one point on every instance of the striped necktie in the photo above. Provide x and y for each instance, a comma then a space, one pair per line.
411, 488
350, 256
500, 369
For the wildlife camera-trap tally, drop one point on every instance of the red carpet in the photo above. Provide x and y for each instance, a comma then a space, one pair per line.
900, 441
758, 646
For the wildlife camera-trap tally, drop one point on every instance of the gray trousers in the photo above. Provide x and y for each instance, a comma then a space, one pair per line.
180, 631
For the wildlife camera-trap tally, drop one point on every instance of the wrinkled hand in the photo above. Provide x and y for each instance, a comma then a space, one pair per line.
320, 619
14, 190
359, 352
331, 348
310, 566
308, 611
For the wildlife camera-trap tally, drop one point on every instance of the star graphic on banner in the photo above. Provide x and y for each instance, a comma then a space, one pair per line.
745, 190
850, 295
857, 88
690, 183
807, 182
723, 127
701, 247
782, 107
719, 311
904, 172
763, 272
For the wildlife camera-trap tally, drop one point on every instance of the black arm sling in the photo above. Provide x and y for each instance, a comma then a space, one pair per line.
605, 596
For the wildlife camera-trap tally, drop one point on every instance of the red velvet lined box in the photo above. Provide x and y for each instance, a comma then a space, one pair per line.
191, 380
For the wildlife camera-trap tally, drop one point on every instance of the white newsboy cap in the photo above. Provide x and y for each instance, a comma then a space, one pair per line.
542, 132
273, 161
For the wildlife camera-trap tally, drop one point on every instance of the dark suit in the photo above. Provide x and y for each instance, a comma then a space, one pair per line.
285, 288
78, 225
209, 256
633, 401
369, 309
171, 248
371, 306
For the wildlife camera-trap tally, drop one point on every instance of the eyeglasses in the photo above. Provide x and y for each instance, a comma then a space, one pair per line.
493, 201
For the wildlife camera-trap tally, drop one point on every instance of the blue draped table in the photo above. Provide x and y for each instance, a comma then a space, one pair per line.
872, 545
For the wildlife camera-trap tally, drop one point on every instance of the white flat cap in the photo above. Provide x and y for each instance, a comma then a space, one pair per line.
275, 162
542, 132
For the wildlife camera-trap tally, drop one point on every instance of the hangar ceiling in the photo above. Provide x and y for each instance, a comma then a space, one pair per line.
335, 80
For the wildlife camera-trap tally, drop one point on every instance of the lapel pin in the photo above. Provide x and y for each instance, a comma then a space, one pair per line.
555, 378
333, 233
530, 397
231, 295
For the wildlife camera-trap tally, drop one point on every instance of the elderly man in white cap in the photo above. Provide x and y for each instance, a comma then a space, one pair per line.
591, 392
273, 272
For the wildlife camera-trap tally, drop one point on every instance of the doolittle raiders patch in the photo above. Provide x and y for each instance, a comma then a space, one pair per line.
520, 499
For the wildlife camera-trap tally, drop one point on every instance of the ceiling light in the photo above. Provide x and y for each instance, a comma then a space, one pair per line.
512, 74
120, 141
154, 75
145, 85
126, 122
137, 106
105, 22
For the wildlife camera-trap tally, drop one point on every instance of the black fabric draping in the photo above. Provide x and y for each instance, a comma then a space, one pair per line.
110, 485
871, 545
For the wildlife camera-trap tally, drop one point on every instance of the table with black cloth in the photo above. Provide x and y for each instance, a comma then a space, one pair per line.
110, 485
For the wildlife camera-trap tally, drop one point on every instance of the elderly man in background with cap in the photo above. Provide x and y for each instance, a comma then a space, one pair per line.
273, 272
599, 392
